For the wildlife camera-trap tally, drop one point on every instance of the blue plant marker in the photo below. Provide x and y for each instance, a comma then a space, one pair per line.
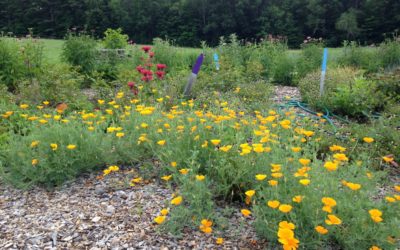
216, 60
323, 72
193, 76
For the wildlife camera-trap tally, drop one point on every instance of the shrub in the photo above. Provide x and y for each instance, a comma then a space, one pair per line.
310, 58
388, 84
284, 70
345, 93
80, 50
19, 60
11, 67
54, 166
361, 57
269, 53
59, 84
114, 39
389, 53
178, 58
32, 56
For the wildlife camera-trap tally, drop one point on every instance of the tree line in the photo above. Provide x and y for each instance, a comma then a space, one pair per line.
188, 22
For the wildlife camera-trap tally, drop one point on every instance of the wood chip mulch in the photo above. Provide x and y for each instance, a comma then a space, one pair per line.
87, 214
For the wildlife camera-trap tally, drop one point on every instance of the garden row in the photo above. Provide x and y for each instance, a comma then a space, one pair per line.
304, 186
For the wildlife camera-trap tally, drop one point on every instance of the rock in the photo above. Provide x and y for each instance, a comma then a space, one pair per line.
69, 238
110, 210
99, 190
96, 219
122, 195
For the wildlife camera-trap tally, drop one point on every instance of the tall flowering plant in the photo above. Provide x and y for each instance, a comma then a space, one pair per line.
150, 73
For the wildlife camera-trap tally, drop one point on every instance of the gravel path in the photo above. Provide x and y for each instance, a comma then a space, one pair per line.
88, 214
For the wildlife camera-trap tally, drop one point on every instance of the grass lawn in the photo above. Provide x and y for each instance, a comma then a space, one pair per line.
53, 50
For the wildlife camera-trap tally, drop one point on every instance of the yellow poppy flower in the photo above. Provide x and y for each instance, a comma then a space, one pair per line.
177, 200
285, 208
261, 177
245, 212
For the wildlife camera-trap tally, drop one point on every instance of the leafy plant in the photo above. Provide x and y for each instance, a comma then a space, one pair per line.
114, 39
80, 50
345, 93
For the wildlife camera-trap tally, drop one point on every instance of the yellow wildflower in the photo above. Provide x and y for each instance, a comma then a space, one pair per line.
273, 204
166, 177
184, 171
304, 182
250, 193
321, 230
376, 215
273, 182
177, 200
71, 147
54, 146
245, 212
35, 162
161, 143
304, 162
120, 134
297, 198
261, 177
225, 148
368, 139
285, 208
333, 220
340, 157
390, 199
164, 211
334, 148
200, 177
331, 166
296, 149
159, 219
34, 144
215, 142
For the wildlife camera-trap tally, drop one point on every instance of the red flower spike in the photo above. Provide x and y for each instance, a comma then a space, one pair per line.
151, 54
146, 48
161, 66
160, 74
139, 68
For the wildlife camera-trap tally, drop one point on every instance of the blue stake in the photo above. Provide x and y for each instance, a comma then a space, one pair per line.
216, 60
323, 73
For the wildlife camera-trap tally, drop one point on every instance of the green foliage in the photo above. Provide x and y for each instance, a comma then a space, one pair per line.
284, 70
189, 22
386, 56
270, 52
11, 65
352, 205
61, 83
389, 53
344, 93
198, 204
114, 39
389, 84
54, 167
19, 60
356, 56
347, 22
80, 50
310, 58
